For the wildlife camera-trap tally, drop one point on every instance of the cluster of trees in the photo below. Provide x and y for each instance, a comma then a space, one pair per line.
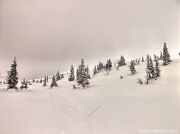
152, 72
82, 73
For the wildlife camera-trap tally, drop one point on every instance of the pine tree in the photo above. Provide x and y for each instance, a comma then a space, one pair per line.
82, 78
45, 81
142, 60
71, 77
33, 80
100, 66
150, 68
122, 61
12, 79
157, 69
58, 77
24, 84
147, 76
166, 55
53, 83
132, 68
94, 70
108, 65
87, 71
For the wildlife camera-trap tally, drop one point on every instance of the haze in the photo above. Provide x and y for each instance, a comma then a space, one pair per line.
50, 35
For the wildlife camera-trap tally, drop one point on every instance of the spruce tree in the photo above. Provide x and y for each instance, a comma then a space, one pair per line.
82, 77
157, 69
147, 76
132, 68
150, 68
71, 77
94, 70
24, 84
58, 77
142, 60
12, 79
122, 61
87, 71
53, 83
166, 55
45, 81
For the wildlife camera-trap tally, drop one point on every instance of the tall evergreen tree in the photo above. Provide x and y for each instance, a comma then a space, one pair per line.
132, 68
108, 65
94, 70
45, 81
82, 78
71, 76
147, 76
166, 55
157, 69
150, 68
58, 77
12, 79
142, 60
87, 71
53, 83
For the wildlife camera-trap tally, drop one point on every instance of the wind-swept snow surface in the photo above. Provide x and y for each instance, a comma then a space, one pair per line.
110, 105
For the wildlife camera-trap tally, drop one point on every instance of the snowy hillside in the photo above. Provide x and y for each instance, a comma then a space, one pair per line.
110, 105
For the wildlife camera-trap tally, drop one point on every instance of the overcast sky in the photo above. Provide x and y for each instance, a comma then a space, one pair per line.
50, 35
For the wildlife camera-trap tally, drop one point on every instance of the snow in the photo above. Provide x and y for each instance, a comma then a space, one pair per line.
110, 105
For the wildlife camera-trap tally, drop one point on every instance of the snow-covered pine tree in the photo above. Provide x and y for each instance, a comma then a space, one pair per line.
82, 78
142, 60
166, 55
12, 79
33, 80
132, 68
45, 81
58, 77
53, 83
147, 77
122, 61
40, 81
157, 69
100, 66
87, 71
24, 84
71, 76
94, 70
150, 67
108, 65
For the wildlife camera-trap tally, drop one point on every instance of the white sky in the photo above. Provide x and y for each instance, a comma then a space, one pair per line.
50, 35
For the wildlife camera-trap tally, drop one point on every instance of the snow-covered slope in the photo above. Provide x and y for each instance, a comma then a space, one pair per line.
110, 105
